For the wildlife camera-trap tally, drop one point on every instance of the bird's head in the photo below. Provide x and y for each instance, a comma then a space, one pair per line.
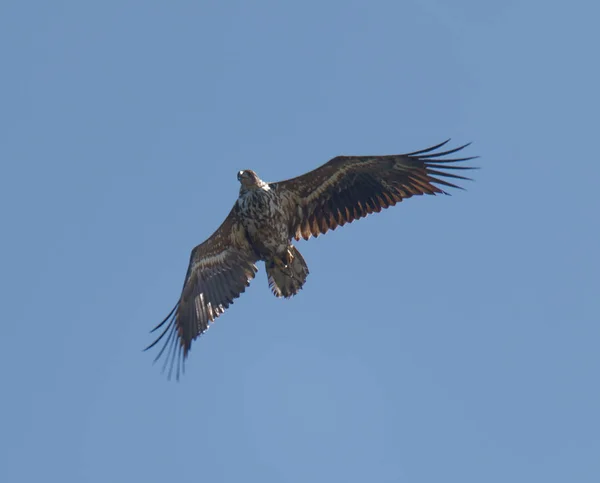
249, 179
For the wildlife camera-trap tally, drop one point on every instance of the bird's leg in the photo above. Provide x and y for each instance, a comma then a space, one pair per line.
280, 262
289, 257
285, 262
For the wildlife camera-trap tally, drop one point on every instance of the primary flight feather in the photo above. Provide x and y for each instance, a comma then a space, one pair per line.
265, 218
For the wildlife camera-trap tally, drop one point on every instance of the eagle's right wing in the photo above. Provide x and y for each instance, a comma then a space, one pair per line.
220, 269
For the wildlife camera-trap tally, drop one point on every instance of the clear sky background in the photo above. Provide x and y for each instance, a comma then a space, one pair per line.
446, 339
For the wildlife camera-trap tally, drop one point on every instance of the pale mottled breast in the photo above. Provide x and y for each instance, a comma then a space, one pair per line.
265, 215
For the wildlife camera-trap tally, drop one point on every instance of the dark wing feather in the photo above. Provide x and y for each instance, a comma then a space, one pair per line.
220, 269
350, 187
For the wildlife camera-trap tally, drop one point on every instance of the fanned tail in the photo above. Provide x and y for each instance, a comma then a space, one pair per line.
287, 281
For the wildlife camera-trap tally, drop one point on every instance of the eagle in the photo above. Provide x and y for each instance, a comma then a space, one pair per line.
267, 216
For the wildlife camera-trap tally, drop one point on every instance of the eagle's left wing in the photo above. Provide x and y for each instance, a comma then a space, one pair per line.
350, 187
220, 269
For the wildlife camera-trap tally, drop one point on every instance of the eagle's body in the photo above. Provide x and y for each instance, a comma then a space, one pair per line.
267, 216
264, 210
263, 214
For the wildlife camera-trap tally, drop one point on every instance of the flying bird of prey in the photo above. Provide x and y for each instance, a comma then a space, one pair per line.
265, 218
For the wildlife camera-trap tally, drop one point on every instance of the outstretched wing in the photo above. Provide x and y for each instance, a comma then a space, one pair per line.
220, 269
350, 187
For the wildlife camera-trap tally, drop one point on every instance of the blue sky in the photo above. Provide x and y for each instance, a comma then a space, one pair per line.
446, 339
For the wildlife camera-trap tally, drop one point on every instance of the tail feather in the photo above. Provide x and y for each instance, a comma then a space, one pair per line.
288, 281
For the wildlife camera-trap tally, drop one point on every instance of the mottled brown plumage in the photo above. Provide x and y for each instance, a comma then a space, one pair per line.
267, 216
